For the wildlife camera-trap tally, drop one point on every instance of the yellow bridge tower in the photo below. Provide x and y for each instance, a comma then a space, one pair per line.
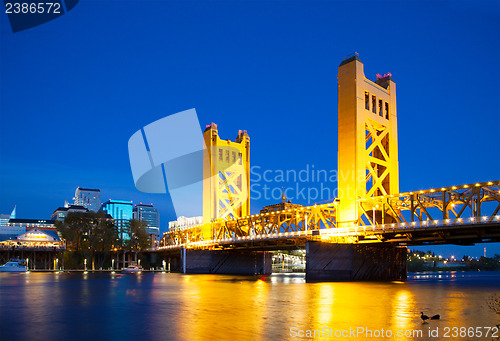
367, 140
226, 176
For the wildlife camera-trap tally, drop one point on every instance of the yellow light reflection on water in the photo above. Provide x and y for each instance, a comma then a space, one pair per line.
323, 304
403, 310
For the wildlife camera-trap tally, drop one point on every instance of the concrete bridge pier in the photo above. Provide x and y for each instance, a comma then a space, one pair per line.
234, 262
354, 262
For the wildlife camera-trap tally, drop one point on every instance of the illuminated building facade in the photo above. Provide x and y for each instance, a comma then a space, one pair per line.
121, 211
367, 139
226, 175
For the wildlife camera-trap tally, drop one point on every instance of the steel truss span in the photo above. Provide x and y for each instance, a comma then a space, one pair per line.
465, 215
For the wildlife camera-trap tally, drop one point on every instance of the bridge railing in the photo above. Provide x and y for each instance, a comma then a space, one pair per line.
427, 224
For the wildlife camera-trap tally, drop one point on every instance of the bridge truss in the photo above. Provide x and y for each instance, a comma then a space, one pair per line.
434, 214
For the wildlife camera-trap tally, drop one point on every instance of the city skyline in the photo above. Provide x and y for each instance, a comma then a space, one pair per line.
280, 73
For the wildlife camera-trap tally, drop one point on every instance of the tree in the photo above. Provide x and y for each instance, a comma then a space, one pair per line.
139, 238
89, 232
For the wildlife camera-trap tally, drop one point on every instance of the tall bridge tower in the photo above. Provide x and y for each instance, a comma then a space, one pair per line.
367, 139
226, 175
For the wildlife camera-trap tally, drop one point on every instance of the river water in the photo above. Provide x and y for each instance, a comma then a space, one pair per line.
164, 306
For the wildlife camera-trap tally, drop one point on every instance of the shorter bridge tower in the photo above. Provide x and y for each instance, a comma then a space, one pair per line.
226, 175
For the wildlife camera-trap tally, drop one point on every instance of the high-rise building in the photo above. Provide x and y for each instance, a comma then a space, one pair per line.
4, 218
88, 198
149, 214
121, 212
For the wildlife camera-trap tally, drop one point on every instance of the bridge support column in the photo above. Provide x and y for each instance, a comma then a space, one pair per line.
354, 262
236, 262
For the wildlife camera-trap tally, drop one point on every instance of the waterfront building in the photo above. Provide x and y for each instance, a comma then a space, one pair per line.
36, 238
62, 212
88, 198
30, 233
121, 211
149, 214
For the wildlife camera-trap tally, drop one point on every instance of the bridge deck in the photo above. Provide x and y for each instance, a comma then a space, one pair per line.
463, 232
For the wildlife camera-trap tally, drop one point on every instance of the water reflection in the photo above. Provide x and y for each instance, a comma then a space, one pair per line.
402, 313
163, 306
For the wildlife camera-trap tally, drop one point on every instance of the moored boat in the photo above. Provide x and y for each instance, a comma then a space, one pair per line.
132, 269
14, 265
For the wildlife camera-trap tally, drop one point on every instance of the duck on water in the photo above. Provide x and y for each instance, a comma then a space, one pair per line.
425, 317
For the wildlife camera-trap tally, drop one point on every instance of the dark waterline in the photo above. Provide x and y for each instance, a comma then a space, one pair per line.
162, 306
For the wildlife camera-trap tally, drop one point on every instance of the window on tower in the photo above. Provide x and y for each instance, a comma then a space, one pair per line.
367, 100
374, 104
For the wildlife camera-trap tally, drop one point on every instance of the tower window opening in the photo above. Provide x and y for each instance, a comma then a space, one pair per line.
374, 104
386, 110
220, 154
227, 155
367, 100
380, 108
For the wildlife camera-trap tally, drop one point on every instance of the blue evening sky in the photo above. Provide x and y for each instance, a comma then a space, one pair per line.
73, 91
